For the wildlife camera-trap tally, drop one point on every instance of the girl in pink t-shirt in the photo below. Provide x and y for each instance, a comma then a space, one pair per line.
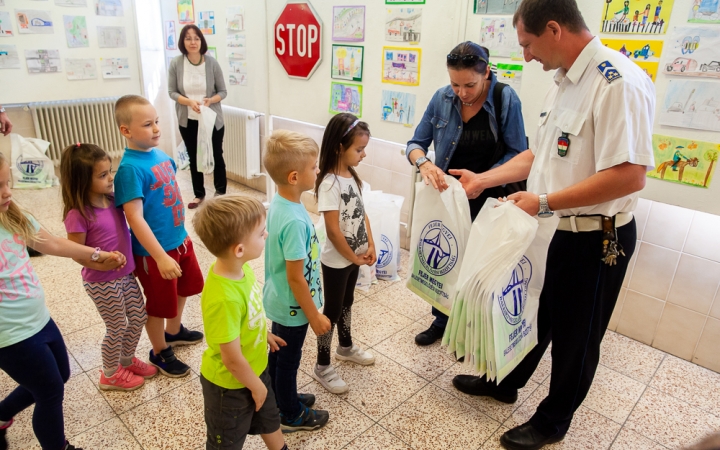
92, 219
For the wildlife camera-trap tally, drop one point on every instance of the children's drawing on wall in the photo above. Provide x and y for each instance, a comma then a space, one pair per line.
5, 25
235, 40
33, 21
76, 31
500, 38
401, 65
170, 36
403, 24
347, 62
510, 74
212, 51
684, 161
636, 16
43, 61
186, 11
70, 2
206, 22
238, 72
236, 19
348, 23
9, 58
109, 8
495, 6
693, 52
691, 104
111, 37
705, 11
646, 53
400, 2
237, 53
398, 107
115, 67
80, 69
346, 98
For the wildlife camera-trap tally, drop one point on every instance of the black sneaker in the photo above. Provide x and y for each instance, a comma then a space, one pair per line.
71, 447
472, 385
306, 399
309, 419
429, 336
3, 431
168, 364
184, 337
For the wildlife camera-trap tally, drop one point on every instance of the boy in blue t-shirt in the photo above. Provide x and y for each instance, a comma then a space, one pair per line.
292, 292
165, 262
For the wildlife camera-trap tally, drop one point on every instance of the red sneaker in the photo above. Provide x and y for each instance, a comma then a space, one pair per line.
122, 380
142, 369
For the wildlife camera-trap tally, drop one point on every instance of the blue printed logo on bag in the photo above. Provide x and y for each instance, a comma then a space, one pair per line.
30, 166
386, 252
437, 248
513, 297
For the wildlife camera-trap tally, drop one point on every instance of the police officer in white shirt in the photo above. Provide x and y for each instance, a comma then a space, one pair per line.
592, 150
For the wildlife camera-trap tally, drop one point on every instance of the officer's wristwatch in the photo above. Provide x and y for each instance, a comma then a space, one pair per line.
420, 161
545, 210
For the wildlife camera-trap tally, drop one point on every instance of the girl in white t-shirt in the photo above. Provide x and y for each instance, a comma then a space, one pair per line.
349, 242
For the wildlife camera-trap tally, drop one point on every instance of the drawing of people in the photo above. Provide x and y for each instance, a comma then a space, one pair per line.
657, 11
635, 17
352, 63
646, 14
622, 14
677, 157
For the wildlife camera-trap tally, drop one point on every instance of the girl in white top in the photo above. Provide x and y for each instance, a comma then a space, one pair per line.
349, 242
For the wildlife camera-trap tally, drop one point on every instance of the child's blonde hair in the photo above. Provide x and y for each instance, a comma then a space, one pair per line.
287, 151
123, 108
15, 219
223, 222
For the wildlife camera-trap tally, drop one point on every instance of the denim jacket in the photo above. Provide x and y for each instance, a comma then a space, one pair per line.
442, 125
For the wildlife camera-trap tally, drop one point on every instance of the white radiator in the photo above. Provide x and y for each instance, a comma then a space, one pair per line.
241, 143
90, 120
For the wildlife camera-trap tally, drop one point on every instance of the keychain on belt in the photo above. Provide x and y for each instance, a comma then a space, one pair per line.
611, 246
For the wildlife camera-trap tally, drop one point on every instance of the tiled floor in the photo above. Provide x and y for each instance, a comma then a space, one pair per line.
642, 398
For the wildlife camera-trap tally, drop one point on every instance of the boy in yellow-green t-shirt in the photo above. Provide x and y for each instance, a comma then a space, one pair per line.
235, 382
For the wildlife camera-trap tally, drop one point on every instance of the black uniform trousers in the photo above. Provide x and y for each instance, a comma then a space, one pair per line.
576, 304
189, 136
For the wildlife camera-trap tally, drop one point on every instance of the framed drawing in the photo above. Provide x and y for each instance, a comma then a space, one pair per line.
346, 98
348, 23
347, 62
401, 65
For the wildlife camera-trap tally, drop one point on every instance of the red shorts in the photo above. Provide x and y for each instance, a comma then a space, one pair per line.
161, 295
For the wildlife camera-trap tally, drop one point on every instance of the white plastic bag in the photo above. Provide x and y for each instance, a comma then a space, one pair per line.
384, 213
205, 159
30, 168
440, 229
182, 159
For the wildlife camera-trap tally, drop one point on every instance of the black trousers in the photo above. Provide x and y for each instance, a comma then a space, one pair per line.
339, 292
576, 303
189, 135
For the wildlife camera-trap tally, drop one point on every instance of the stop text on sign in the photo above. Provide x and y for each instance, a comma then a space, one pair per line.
298, 39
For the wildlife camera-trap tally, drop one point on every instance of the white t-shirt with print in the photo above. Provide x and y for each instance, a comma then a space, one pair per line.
343, 195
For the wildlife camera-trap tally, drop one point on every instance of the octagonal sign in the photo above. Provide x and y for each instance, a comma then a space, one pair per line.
298, 39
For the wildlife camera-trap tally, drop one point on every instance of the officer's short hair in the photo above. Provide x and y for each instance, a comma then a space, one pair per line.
535, 14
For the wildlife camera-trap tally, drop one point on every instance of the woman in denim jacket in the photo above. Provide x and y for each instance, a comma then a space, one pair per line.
462, 124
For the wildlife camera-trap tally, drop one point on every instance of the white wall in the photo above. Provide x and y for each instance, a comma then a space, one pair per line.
20, 87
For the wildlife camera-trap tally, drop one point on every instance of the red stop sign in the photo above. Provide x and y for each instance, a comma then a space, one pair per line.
298, 39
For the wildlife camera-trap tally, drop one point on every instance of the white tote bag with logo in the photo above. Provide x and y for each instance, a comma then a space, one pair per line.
30, 168
440, 229
205, 158
383, 210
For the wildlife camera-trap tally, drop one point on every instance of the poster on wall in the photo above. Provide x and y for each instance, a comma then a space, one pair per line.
34, 21
685, 161
212, 51
236, 40
111, 37
348, 23
499, 36
76, 31
9, 58
346, 98
398, 107
705, 11
238, 72
691, 104
646, 53
636, 16
206, 22
5, 24
109, 8
510, 74
237, 53
347, 62
693, 52
495, 6
80, 69
403, 24
186, 11
43, 61
170, 35
236, 19
77, 3
401, 65
115, 67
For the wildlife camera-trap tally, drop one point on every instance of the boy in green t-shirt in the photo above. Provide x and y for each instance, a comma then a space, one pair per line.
235, 381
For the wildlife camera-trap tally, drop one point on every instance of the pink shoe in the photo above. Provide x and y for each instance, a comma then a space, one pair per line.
142, 369
122, 380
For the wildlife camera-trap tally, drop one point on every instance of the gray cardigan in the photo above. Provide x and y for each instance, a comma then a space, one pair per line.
215, 85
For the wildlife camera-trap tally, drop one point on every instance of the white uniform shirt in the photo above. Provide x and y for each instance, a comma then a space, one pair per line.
606, 105
195, 84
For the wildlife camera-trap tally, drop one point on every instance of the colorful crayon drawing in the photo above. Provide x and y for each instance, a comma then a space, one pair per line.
693, 52
186, 11
510, 74
346, 98
32, 21
645, 53
403, 24
684, 161
170, 36
348, 23
5, 25
236, 18
238, 72
705, 11
9, 58
691, 104
499, 36
347, 62
495, 6
80, 69
43, 61
206, 22
401, 65
636, 16
398, 107
76, 31
109, 8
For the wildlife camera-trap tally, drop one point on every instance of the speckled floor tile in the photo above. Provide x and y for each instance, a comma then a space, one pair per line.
377, 438
428, 362
154, 387
65, 286
588, 431
525, 411
629, 357
191, 355
378, 389
689, 382
544, 368
493, 408
434, 419
368, 329
172, 421
630, 440
83, 406
48, 267
192, 314
494, 442
44, 204
399, 298
21, 435
669, 421
84, 345
110, 435
613, 395
375, 288
73, 314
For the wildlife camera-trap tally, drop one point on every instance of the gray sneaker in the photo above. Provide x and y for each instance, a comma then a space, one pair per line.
356, 355
330, 380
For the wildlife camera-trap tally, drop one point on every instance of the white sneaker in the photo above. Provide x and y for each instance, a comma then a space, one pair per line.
330, 380
356, 355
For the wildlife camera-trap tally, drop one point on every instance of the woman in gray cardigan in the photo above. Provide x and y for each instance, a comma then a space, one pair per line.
196, 79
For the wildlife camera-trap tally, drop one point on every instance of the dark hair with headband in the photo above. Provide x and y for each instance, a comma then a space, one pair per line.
339, 136
469, 55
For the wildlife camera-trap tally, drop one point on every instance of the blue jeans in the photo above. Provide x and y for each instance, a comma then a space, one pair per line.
441, 319
40, 365
283, 366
